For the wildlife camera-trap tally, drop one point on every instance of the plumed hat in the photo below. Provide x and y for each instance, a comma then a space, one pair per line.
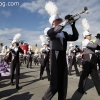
52, 10
16, 38
86, 27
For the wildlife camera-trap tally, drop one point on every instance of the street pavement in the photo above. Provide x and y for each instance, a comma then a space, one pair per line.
31, 88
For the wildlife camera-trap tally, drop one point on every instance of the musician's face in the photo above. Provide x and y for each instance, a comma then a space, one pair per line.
56, 22
44, 45
14, 44
89, 37
72, 47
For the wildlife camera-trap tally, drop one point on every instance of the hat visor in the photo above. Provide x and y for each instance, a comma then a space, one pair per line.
88, 34
58, 19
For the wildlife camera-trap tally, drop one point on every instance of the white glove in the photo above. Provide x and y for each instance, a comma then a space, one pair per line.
64, 23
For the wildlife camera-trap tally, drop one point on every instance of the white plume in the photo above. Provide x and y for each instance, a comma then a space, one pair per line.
46, 30
85, 24
17, 37
51, 8
42, 38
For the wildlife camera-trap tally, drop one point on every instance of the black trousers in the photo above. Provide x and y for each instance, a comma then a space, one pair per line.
72, 61
29, 62
79, 61
24, 60
46, 64
89, 68
59, 76
15, 65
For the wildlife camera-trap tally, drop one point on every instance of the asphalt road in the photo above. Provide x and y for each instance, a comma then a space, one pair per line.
33, 89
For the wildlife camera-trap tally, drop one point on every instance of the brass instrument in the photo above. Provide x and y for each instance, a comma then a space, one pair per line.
78, 15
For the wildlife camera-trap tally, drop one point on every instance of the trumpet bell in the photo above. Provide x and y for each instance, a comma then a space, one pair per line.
85, 8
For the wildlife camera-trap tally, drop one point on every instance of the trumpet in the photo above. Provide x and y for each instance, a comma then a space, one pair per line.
78, 15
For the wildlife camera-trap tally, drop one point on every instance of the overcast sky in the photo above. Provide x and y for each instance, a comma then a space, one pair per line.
30, 19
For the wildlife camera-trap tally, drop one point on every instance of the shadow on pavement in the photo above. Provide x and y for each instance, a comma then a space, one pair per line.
77, 95
24, 96
7, 92
4, 85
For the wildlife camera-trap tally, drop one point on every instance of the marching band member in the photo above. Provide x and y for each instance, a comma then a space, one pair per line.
36, 56
89, 60
15, 50
58, 44
79, 58
25, 58
72, 59
30, 58
45, 50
